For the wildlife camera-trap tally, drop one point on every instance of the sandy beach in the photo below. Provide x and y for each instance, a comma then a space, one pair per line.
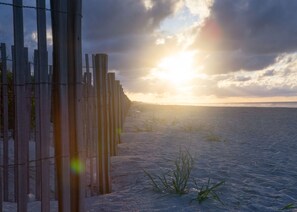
252, 149
255, 155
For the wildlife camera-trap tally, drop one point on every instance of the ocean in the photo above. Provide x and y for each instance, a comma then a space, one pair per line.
254, 104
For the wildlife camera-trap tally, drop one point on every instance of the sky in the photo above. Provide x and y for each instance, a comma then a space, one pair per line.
189, 51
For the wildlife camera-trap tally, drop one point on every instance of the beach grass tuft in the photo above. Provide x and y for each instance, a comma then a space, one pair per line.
212, 137
176, 180
208, 191
289, 206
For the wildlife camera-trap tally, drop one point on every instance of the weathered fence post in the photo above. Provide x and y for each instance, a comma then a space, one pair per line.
103, 138
27, 114
60, 103
68, 69
20, 138
118, 110
89, 113
111, 90
5, 122
37, 128
44, 107
77, 144
95, 124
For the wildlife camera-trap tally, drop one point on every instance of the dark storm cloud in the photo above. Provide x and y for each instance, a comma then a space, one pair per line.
112, 19
263, 28
266, 26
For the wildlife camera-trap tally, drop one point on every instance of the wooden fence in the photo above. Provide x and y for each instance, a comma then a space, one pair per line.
60, 124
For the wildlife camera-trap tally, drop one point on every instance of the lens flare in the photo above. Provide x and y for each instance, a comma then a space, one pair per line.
77, 166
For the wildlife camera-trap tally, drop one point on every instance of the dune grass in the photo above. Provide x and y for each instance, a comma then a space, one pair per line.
176, 180
208, 191
213, 138
289, 207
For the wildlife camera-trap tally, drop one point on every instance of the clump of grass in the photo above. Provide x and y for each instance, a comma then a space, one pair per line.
289, 206
208, 191
176, 180
212, 137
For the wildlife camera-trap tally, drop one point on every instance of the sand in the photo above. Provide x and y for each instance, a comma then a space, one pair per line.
252, 149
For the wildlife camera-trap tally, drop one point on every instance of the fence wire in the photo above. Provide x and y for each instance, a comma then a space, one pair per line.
38, 8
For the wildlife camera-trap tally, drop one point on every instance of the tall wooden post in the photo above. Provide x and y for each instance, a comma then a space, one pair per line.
37, 128
118, 110
5, 122
111, 89
27, 114
77, 146
68, 100
96, 130
60, 103
19, 76
88, 120
44, 106
103, 138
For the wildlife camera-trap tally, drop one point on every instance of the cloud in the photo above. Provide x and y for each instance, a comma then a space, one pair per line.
246, 34
200, 8
106, 19
269, 73
127, 30
279, 79
220, 62
266, 27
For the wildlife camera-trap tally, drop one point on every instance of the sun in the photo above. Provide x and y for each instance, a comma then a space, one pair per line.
177, 69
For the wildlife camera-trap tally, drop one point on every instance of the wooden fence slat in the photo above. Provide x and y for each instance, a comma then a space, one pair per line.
60, 103
88, 123
5, 122
99, 96
27, 115
14, 126
106, 108
115, 112
20, 138
77, 147
44, 106
118, 100
103, 141
37, 128
95, 124
113, 145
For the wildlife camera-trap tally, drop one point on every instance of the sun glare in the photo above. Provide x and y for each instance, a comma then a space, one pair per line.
177, 69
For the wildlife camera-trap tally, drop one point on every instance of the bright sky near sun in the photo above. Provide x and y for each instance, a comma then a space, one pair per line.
178, 69
181, 71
